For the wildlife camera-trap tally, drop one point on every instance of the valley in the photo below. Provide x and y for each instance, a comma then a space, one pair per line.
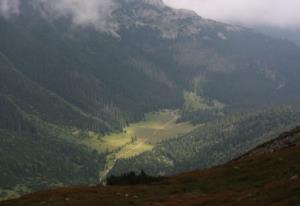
138, 138
156, 127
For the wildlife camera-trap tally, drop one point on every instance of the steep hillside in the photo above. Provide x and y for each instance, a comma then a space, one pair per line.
31, 142
38, 101
284, 141
270, 178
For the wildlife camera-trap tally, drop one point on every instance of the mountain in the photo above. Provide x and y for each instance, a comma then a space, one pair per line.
69, 83
267, 175
291, 34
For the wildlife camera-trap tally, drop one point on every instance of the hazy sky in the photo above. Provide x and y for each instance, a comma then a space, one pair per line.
279, 13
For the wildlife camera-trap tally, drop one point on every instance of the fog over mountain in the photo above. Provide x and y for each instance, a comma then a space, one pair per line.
280, 13
280, 18
93, 12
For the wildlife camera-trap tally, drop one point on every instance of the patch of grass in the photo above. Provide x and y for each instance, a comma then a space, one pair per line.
155, 128
137, 138
133, 149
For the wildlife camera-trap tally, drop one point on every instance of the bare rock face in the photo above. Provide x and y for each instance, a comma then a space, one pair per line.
171, 22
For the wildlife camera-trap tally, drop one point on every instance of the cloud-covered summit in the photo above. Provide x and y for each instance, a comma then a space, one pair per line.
277, 13
98, 13
111, 15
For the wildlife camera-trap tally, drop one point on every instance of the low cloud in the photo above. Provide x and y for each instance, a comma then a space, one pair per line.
96, 13
9, 7
84, 12
278, 13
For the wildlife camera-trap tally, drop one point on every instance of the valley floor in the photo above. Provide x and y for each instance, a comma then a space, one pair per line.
139, 137
267, 179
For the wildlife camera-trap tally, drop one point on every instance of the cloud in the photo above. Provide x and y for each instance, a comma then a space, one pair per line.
278, 13
9, 7
84, 12
96, 13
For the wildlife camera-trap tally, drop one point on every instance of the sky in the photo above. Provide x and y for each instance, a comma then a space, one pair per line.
274, 13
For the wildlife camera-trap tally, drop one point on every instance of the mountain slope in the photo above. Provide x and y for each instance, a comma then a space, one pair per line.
271, 178
35, 153
120, 79
39, 101
284, 141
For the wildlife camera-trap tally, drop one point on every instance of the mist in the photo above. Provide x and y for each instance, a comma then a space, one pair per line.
284, 14
96, 13
9, 7
273, 13
92, 12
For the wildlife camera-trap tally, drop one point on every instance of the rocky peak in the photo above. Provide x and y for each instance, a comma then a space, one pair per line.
155, 14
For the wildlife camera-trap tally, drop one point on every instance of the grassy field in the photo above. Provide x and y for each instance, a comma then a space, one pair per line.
141, 136
137, 138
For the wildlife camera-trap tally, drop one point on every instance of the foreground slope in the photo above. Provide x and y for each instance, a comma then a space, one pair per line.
270, 177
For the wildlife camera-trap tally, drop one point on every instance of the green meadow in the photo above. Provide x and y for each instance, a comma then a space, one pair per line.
141, 136
138, 137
